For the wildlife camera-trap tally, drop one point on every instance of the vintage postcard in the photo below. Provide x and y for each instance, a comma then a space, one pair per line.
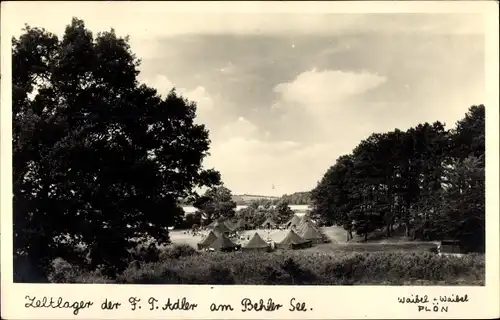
249, 160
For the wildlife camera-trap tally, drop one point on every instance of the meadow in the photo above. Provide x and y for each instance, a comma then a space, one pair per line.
335, 234
395, 262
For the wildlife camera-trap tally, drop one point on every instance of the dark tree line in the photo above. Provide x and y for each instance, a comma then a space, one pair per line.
99, 160
428, 180
296, 198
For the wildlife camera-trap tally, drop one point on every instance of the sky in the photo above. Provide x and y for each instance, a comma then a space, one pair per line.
285, 94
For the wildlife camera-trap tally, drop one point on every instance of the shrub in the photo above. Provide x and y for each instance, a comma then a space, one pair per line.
91, 277
183, 265
220, 274
298, 274
64, 272
177, 251
148, 273
149, 253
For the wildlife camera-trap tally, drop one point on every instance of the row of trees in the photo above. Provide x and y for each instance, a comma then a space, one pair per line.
99, 160
256, 214
296, 198
427, 179
217, 204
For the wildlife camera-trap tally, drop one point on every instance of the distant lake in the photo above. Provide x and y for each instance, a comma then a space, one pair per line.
299, 208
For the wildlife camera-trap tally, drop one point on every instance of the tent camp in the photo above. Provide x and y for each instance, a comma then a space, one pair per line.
305, 219
294, 222
211, 224
207, 241
223, 243
309, 232
231, 224
214, 223
241, 225
269, 223
305, 222
221, 228
256, 244
293, 241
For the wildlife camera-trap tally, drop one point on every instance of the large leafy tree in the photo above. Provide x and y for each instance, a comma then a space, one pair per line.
216, 203
190, 220
255, 214
99, 160
283, 212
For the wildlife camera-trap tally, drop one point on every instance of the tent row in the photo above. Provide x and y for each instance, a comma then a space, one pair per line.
294, 223
222, 243
307, 235
229, 226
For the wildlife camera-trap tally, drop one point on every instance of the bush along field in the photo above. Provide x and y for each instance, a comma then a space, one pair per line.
182, 264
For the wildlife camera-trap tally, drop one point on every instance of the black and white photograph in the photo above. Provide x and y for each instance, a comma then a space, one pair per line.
230, 148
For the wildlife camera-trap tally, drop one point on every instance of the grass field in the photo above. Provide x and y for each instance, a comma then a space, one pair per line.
393, 261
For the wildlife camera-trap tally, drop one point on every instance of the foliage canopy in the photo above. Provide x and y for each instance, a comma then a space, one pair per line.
99, 160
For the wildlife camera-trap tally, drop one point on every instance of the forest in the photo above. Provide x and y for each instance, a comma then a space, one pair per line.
427, 180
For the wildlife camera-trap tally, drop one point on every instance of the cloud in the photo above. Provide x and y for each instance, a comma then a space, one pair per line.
325, 89
204, 101
241, 128
273, 118
253, 166
228, 69
161, 83
321, 105
249, 161
161, 19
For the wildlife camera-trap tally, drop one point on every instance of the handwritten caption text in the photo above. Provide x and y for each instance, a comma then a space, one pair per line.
168, 304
